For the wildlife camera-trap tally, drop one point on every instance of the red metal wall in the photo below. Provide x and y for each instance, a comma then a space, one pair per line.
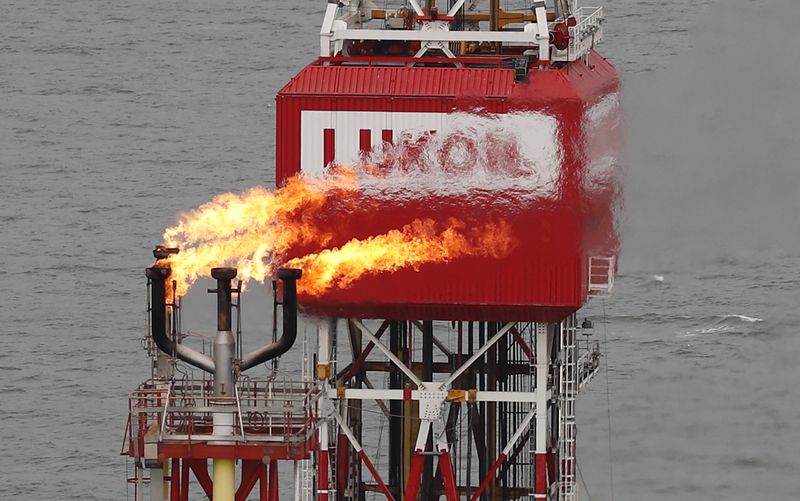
545, 277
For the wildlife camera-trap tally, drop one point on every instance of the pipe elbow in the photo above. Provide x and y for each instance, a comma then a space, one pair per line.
289, 277
158, 323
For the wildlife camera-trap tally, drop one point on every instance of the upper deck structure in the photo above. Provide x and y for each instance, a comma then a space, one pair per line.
477, 116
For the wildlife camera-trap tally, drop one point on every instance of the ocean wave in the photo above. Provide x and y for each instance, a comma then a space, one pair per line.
720, 324
743, 318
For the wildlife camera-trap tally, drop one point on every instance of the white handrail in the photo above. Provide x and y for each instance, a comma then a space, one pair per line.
239, 408
164, 414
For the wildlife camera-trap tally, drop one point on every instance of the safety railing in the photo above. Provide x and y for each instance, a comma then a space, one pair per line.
276, 411
584, 35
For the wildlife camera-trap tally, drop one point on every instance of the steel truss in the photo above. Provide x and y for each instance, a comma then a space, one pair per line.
492, 433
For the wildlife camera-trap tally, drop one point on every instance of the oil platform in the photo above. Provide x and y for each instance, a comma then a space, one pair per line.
452, 378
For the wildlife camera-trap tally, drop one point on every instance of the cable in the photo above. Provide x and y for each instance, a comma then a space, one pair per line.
378, 453
608, 402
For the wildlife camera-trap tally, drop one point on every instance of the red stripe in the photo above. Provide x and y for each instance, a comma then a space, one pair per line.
329, 146
365, 140
406, 393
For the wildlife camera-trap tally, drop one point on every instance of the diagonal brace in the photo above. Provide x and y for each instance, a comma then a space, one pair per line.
386, 351
478, 354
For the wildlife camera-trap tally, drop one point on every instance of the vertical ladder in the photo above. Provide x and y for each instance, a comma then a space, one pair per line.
531, 448
305, 484
567, 391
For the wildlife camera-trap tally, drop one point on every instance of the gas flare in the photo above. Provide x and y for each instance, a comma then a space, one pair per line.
250, 229
417, 243
245, 230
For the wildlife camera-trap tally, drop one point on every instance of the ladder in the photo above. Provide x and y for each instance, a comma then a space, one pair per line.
567, 391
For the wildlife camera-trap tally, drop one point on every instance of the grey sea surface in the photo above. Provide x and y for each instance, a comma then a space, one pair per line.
115, 117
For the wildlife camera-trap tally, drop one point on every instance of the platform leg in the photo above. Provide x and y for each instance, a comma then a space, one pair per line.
274, 492
175, 480
224, 480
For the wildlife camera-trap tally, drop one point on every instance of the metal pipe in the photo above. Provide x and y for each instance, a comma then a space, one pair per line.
158, 323
289, 277
224, 470
224, 342
223, 276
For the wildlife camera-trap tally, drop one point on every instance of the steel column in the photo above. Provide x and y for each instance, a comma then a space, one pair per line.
175, 480
543, 334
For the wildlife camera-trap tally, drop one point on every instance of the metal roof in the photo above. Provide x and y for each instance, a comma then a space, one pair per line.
402, 81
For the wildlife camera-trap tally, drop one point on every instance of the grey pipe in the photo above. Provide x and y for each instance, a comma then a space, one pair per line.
224, 342
158, 323
289, 277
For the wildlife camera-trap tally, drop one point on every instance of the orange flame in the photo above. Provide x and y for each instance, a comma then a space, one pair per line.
245, 230
415, 244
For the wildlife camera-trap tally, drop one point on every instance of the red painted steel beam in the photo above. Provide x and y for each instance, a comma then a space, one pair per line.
185, 480
200, 469
250, 475
355, 368
551, 467
322, 479
263, 484
175, 480
540, 476
274, 492
375, 475
414, 476
515, 452
342, 462
522, 344
489, 476
448, 477
204, 450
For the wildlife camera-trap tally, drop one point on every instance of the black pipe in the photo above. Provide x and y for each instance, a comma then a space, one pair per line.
158, 307
223, 276
289, 277
163, 252
158, 322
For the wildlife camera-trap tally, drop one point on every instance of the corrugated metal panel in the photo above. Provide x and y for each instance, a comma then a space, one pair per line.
543, 273
402, 81
546, 279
